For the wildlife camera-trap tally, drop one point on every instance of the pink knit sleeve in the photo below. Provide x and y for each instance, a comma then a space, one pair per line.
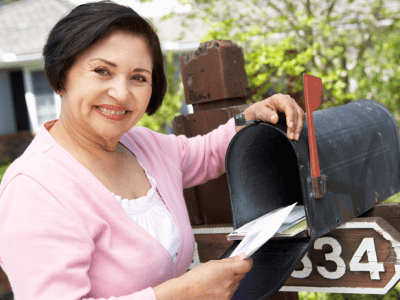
44, 250
203, 157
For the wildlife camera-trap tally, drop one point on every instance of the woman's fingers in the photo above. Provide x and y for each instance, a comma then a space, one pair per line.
235, 287
239, 277
240, 265
269, 109
266, 113
286, 104
215, 279
301, 116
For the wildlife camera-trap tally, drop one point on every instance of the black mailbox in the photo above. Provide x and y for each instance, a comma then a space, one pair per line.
359, 158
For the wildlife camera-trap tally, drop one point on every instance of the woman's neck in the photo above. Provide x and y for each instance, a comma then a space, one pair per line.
80, 143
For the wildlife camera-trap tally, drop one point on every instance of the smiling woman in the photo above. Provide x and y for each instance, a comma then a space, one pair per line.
99, 201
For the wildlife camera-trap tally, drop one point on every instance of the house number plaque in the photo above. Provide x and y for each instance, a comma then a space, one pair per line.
359, 257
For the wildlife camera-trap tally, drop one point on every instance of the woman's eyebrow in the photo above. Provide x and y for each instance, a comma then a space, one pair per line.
115, 65
105, 61
141, 70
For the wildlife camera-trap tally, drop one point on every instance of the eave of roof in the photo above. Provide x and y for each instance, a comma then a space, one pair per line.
24, 27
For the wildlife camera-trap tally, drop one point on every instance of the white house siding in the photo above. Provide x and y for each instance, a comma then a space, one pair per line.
45, 100
7, 115
30, 101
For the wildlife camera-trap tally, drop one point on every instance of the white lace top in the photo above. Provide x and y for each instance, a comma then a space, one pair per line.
151, 213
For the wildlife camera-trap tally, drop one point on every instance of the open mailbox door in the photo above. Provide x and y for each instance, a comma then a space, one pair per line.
359, 160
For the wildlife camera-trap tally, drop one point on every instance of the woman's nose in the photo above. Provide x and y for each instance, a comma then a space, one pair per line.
119, 89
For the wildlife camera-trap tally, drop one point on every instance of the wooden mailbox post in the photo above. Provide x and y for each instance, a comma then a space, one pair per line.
362, 256
216, 85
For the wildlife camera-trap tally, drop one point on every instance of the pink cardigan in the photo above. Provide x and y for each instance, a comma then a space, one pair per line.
63, 235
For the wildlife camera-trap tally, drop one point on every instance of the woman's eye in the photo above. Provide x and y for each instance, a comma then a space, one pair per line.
102, 71
139, 78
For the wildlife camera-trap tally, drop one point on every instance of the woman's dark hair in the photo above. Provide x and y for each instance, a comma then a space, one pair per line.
87, 24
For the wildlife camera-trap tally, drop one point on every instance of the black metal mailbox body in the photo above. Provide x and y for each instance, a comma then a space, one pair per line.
359, 153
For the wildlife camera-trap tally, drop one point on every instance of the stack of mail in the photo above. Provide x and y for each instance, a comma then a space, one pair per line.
293, 224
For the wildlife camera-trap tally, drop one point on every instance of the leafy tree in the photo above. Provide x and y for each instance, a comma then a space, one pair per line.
352, 45
172, 101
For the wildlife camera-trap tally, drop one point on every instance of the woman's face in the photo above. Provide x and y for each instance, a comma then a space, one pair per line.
108, 88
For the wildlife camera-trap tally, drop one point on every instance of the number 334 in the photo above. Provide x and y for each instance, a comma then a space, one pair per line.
367, 245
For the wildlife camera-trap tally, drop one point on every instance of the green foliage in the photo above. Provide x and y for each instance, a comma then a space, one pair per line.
356, 57
383, 63
172, 102
313, 296
393, 199
394, 294
3, 167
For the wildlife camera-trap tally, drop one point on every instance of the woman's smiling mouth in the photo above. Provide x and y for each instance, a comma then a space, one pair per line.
115, 114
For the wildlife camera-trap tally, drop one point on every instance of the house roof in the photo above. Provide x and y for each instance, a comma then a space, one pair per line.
25, 25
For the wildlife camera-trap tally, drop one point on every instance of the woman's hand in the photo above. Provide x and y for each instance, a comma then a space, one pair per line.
268, 110
216, 279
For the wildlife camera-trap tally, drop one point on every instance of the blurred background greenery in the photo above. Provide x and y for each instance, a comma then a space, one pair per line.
172, 102
352, 45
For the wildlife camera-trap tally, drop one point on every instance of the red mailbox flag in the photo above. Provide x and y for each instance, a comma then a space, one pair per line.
314, 97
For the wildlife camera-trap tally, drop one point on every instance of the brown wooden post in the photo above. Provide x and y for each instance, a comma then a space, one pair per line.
13, 145
216, 84
5, 287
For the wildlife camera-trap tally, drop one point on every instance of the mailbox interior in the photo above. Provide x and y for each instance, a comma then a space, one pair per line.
265, 170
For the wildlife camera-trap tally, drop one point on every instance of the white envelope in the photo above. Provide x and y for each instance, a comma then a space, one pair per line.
256, 238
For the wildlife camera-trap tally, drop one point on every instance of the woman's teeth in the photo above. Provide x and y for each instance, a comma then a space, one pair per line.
112, 112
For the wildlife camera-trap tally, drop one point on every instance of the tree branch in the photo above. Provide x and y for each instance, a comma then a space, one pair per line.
330, 9
362, 49
309, 30
288, 4
344, 67
308, 7
370, 30
291, 24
